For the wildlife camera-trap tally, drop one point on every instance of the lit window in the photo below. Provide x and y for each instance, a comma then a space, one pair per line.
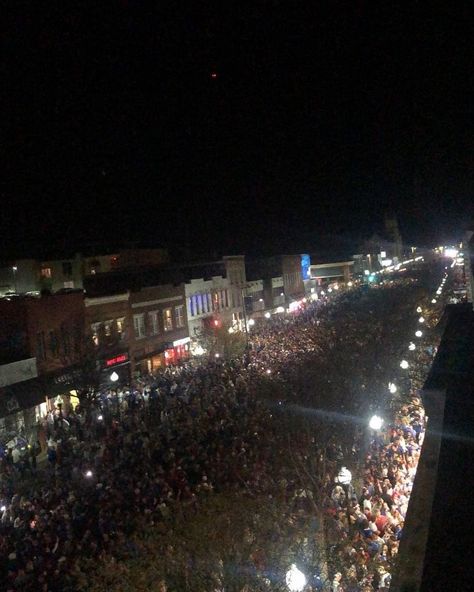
139, 325
95, 333
121, 326
179, 316
46, 272
167, 319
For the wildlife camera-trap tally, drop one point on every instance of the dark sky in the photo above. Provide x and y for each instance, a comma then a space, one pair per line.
323, 116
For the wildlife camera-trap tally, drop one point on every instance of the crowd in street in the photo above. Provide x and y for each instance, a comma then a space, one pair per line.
186, 432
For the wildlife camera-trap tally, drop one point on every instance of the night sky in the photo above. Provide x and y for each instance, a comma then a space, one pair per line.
233, 126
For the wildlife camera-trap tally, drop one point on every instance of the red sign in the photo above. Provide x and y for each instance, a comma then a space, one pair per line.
117, 360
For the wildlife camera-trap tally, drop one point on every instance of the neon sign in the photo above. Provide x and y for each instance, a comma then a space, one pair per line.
117, 360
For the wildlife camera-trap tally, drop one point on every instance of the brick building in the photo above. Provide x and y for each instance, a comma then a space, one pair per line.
109, 325
41, 345
160, 333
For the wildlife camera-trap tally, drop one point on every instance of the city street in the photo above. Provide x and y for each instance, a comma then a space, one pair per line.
168, 477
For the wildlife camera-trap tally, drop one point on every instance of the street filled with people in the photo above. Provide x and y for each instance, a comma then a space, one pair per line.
276, 425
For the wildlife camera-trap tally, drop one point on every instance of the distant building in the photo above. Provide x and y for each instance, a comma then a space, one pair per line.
327, 273
66, 273
275, 280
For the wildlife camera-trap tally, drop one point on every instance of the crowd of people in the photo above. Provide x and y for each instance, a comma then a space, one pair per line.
189, 431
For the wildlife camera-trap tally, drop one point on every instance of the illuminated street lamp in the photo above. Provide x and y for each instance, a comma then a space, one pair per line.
392, 387
344, 478
295, 579
267, 315
412, 346
433, 301
114, 377
404, 364
88, 474
421, 320
376, 422
419, 309
418, 333
251, 322
14, 269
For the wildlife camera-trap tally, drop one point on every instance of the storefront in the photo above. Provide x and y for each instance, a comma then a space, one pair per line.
20, 407
179, 352
167, 354
60, 389
115, 371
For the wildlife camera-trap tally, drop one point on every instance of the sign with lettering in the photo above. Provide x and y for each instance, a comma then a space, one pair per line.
120, 359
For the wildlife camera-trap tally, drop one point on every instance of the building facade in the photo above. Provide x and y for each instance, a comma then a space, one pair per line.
41, 345
108, 324
159, 334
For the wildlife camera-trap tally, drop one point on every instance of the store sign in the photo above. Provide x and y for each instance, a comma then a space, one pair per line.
121, 359
183, 341
68, 378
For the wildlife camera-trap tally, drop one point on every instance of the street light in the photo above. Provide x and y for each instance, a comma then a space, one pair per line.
419, 309
392, 387
412, 346
421, 320
419, 333
375, 422
251, 322
267, 315
14, 269
295, 579
433, 301
114, 377
404, 364
89, 474
344, 477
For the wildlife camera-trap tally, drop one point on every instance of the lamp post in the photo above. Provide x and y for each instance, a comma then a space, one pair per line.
344, 478
14, 269
245, 319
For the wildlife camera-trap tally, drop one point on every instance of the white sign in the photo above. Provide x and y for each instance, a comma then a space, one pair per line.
18, 372
181, 341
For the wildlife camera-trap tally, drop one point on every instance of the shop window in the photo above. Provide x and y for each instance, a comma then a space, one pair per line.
167, 319
179, 316
139, 325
